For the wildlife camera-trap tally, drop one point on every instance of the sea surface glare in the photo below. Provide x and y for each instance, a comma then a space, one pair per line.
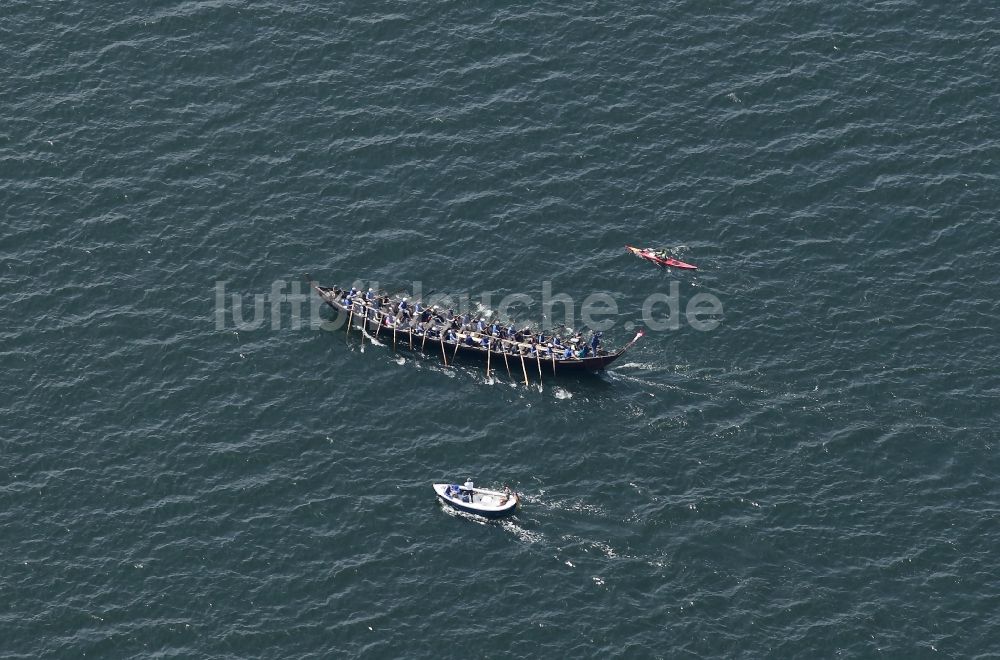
189, 474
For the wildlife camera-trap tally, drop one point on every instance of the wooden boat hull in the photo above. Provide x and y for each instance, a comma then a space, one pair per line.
531, 365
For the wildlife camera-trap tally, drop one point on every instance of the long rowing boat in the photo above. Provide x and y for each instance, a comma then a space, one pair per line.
360, 314
649, 255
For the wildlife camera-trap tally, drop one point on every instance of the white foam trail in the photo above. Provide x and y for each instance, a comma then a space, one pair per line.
373, 340
508, 525
644, 366
526, 535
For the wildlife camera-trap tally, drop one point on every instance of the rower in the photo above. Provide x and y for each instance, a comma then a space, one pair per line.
595, 342
568, 353
403, 305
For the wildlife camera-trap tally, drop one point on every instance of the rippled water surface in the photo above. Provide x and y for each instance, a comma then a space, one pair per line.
815, 477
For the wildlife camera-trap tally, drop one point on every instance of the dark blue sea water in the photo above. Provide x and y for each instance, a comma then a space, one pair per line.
815, 477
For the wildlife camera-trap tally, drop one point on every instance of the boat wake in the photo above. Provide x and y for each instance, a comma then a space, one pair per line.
527, 535
373, 340
642, 381
507, 524
642, 366
545, 502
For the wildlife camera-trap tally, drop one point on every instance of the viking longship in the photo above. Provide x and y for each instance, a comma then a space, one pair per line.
409, 326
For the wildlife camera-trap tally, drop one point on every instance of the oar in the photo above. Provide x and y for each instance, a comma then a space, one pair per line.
394, 337
505, 362
523, 368
538, 358
363, 326
350, 317
553, 363
458, 341
443, 356
424, 340
489, 352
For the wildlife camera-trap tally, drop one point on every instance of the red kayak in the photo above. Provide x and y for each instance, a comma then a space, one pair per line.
648, 255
